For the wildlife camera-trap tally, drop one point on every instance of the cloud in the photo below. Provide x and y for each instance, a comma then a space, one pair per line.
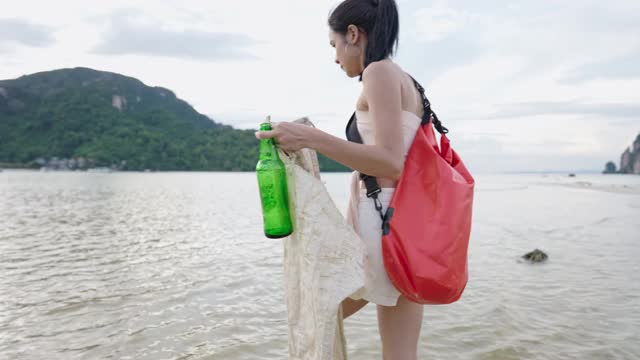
497, 153
21, 32
438, 21
623, 67
126, 37
480, 60
607, 110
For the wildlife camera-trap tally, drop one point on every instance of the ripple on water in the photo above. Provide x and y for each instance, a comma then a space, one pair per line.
148, 266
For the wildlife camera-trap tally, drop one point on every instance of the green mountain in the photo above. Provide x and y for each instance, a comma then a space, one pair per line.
107, 119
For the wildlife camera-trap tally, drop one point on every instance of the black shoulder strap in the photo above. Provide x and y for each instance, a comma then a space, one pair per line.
428, 112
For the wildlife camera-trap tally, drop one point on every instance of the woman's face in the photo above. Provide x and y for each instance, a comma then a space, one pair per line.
349, 53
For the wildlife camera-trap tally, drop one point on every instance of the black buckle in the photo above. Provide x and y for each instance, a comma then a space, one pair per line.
371, 184
373, 189
374, 192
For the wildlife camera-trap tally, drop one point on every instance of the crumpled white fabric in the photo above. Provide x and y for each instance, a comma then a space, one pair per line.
323, 263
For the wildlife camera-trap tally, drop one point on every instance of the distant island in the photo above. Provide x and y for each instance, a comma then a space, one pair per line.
629, 161
80, 118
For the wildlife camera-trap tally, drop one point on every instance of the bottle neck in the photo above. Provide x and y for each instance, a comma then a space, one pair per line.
268, 149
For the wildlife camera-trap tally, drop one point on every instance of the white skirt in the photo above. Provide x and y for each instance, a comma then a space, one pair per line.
378, 288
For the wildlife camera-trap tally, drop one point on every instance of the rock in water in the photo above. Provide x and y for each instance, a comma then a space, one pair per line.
536, 256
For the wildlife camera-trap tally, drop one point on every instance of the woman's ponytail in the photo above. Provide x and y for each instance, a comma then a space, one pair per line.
383, 36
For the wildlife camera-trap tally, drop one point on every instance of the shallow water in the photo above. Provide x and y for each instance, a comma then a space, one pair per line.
174, 266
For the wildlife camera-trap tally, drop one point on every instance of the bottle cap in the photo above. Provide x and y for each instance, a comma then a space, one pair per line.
266, 126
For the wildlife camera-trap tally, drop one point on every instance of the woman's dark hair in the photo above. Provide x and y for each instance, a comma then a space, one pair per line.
377, 18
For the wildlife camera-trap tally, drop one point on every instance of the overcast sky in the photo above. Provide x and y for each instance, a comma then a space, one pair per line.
522, 85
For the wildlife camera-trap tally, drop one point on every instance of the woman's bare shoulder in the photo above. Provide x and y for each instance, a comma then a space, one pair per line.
380, 77
385, 69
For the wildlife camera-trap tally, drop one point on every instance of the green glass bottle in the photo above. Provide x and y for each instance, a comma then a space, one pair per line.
274, 194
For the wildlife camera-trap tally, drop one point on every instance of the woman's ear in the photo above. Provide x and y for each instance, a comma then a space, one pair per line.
353, 34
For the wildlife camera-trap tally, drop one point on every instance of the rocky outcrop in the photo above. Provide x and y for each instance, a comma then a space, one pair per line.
610, 168
535, 256
630, 159
119, 102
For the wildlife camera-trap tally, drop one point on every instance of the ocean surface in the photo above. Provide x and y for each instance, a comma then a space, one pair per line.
175, 266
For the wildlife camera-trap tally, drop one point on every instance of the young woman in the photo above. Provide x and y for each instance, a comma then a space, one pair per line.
388, 113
